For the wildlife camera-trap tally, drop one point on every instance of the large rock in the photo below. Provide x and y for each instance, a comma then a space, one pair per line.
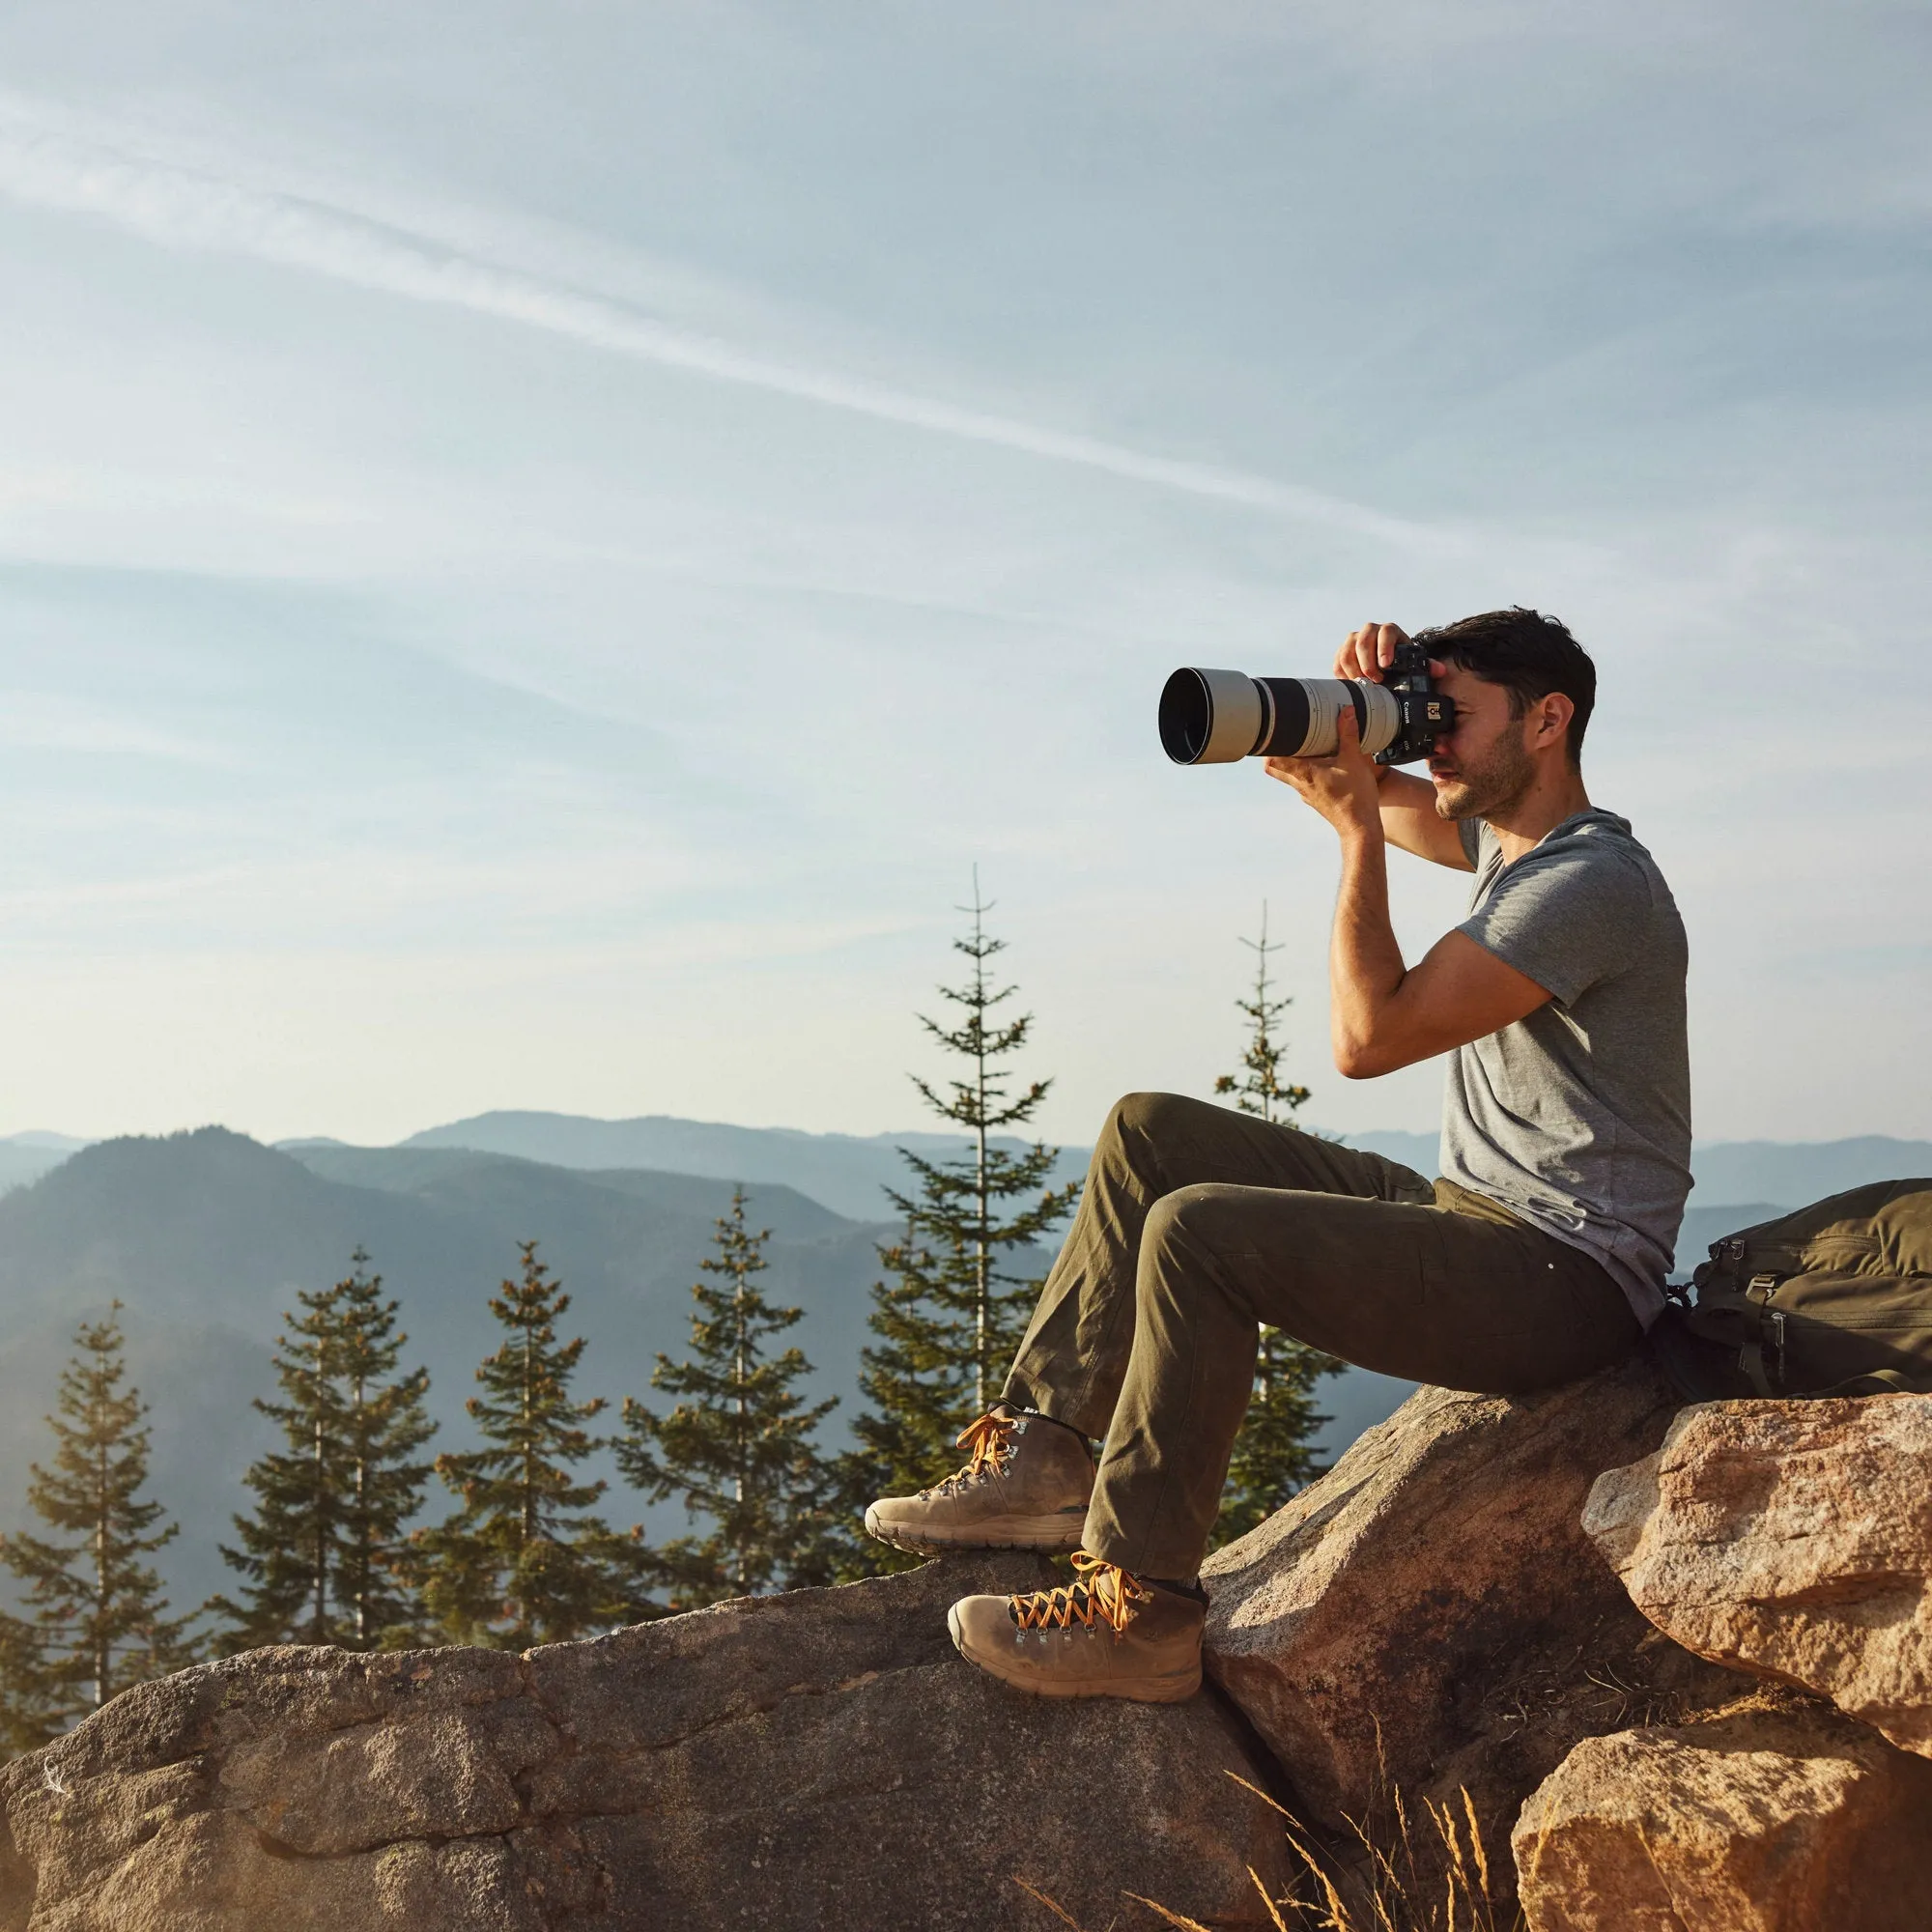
1794, 1540
804, 1761
1768, 1821
1430, 1614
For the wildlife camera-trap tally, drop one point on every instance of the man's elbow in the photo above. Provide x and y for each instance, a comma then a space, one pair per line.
1361, 1060
1371, 1055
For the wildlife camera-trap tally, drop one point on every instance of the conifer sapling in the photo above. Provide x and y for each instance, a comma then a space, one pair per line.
98, 1619
1273, 1456
948, 1321
739, 1447
521, 1561
325, 1555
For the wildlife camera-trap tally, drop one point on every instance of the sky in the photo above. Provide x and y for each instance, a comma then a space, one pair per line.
540, 545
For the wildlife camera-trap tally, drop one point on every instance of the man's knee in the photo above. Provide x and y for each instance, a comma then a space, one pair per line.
1186, 1229
1155, 1119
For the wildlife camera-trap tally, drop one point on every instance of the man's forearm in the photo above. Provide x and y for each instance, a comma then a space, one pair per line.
1365, 964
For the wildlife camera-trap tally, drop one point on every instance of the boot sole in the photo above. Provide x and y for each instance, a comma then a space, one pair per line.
1146, 1691
1048, 1535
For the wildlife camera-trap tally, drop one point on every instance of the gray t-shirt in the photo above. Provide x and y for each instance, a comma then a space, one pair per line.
1577, 1119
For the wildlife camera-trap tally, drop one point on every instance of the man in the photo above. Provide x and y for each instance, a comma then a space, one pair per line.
1537, 1258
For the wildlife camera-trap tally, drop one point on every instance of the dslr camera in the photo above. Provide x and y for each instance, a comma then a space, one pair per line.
1216, 717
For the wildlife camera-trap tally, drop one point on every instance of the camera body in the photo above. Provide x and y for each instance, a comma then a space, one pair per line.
1219, 716
1425, 714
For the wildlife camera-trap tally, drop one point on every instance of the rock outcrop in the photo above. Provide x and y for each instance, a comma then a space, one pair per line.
819, 1759
1434, 1616
1793, 1540
1791, 1820
1430, 1613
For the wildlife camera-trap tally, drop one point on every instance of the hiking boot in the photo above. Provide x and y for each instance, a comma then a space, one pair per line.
1106, 1636
1026, 1487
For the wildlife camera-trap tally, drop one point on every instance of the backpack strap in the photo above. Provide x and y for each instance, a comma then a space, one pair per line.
1877, 1381
1699, 1370
1750, 1357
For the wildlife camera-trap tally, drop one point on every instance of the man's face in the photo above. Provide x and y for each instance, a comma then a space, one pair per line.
1483, 767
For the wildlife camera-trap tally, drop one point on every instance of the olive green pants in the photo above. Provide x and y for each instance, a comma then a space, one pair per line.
1199, 1223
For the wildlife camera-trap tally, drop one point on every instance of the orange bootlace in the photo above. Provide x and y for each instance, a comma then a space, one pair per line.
1104, 1591
990, 1441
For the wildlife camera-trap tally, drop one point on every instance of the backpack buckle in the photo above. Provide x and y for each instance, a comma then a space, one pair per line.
1758, 1291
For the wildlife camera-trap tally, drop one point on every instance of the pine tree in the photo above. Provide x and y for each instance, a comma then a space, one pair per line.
1272, 1458
383, 1424
741, 1449
286, 1551
98, 1621
325, 1554
521, 1563
1258, 1087
910, 1377
30, 1706
947, 1319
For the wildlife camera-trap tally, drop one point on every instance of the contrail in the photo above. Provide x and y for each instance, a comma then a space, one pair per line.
186, 207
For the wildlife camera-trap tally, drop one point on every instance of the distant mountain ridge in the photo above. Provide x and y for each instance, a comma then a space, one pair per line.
206, 1237
1791, 1172
25, 1157
849, 1171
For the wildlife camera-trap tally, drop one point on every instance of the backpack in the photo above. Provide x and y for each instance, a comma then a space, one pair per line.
1830, 1300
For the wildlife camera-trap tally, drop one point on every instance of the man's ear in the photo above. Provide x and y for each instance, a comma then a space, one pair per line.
1549, 718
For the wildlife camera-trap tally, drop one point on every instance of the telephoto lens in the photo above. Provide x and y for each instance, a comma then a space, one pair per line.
1219, 716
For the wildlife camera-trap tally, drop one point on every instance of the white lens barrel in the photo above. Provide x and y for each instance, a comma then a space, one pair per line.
1384, 719
1220, 717
1373, 703
1236, 710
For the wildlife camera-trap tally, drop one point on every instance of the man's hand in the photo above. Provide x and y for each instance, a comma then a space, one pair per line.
1407, 803
1340, 785
1371, 651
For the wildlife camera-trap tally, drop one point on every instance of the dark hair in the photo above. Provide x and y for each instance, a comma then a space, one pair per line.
1528, 654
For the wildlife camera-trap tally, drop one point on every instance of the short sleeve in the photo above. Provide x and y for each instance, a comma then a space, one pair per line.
1567, 916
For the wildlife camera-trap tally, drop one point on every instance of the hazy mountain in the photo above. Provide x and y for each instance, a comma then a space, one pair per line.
206, 1237
1791, 1172
849, 1173
1421, 1151
25, 1157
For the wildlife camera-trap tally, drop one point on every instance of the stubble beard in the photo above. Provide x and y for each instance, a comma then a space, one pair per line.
1491, 788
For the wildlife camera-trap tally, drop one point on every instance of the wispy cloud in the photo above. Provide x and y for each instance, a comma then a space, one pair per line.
196, 206
47, 721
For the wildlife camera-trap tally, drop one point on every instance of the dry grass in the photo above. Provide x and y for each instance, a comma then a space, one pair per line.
1441, 1885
